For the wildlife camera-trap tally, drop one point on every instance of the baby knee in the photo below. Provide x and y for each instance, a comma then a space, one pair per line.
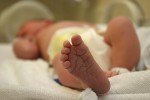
121, 21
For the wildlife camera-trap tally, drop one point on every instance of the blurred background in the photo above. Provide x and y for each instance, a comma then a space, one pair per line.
94, 11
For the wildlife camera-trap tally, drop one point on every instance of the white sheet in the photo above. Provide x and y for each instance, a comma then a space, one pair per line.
6, 52
25, 80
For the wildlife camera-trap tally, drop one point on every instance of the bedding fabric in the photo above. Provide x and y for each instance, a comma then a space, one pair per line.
25, 80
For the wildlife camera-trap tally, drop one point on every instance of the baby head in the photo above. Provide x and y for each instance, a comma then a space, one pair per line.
25, 45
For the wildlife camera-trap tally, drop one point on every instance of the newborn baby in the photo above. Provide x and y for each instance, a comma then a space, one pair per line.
74, 61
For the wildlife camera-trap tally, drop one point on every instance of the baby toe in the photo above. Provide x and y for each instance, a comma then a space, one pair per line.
66, 44
76, 40
65, 51
64, 57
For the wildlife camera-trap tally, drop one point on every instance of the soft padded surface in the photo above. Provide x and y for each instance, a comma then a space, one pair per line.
26, 80
6, 52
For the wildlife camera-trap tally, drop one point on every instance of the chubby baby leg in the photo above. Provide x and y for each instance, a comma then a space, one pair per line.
122, 37
78, 60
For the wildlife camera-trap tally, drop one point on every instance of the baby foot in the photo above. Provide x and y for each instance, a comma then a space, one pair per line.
78, 60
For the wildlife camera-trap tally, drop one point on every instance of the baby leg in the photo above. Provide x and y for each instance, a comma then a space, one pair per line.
78, 60
121, 36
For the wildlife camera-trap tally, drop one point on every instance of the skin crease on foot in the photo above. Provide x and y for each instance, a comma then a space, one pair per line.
78, 60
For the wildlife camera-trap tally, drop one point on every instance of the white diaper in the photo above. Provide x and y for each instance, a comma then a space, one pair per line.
99, 49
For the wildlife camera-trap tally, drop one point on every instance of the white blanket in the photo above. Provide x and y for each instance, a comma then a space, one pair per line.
25, 80
130, 86
21, 80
